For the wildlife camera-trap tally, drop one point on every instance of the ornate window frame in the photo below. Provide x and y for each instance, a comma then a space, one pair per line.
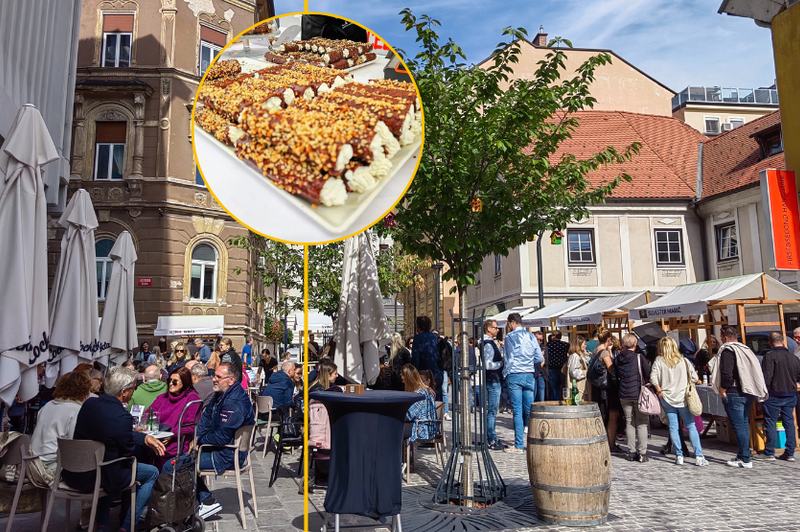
115, 7
222, 269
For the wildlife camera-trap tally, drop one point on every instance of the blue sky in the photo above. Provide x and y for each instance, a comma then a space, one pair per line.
678, 42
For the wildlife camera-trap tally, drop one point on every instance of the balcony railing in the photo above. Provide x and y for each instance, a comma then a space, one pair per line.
730, 95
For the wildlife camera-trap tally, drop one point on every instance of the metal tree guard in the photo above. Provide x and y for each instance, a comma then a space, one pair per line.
489, 487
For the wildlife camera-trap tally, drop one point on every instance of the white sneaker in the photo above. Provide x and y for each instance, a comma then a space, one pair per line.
403, 469
700, 461
447, 416
679, 460
526, 430
740, 464
207, 511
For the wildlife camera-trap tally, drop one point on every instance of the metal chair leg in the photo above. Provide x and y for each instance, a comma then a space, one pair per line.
397, 526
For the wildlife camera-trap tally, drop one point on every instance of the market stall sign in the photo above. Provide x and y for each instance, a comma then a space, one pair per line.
779, 197
145, 281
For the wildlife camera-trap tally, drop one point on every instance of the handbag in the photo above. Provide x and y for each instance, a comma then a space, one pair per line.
648, 400
692, 397
174, 500
598, 372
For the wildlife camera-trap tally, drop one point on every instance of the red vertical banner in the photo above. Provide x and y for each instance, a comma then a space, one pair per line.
779, 193
376, 43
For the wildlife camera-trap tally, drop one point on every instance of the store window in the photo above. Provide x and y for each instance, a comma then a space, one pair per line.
102, 248
580, 244
669, 247
204, 273
109, 155
211, 42
498, 264
117, 39
727, 242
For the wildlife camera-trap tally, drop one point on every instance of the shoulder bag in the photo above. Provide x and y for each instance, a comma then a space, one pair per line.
598, 372
648, 400
692, 397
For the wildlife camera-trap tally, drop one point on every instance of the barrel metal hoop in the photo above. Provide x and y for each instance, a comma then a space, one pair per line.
577, 441
590, 513
566, 489
573, 522
549, 415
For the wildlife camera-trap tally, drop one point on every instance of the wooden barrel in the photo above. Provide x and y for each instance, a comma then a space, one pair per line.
569, 463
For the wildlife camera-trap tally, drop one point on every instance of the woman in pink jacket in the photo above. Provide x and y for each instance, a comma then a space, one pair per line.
169, 407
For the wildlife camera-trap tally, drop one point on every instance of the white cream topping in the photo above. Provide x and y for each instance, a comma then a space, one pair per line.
416, 127
407, 137
376, 147
308, 94
339, 82
345, 154
392, 147
272, 104
288, 96
360, 180
380, 166
323, 88
333, 192
234, 133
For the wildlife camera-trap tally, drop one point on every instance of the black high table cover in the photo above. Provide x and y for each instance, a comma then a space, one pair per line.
366, 450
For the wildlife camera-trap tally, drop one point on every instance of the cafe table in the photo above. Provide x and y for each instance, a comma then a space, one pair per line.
366, 449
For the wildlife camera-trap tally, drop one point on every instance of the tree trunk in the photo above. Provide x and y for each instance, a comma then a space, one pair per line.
465, 391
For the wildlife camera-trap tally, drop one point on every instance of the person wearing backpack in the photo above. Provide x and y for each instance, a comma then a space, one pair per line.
493, 359
633, 371
605, 392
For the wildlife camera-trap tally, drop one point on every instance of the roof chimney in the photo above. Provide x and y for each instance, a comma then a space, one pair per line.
540, 41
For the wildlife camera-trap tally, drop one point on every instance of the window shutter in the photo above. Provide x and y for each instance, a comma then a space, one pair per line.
213, 36
118, 23
111, 131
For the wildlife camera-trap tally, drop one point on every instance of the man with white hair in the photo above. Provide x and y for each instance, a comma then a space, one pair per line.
203, 350
281, 385
152, 387
202, 382
105, 420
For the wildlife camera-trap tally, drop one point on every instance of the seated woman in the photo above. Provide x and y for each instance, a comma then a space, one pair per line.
416, 427
319, 425
327, 372
169, 407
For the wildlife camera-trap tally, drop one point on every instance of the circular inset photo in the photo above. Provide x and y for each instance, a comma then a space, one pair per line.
307, 128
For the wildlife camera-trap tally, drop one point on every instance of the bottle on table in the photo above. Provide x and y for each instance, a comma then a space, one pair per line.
576, 397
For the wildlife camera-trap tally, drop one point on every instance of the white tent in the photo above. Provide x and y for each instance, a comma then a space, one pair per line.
544, 316
592, 312
361, 324
692, 299
501, 318
118, 328
24, 324
190, 325
73, 299
317, 322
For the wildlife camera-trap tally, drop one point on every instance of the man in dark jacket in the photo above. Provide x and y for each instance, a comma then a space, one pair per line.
425, 352
230, 409
781, 375
281, 385
105, 419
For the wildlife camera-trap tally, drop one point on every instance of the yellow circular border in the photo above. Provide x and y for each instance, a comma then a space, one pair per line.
413, 175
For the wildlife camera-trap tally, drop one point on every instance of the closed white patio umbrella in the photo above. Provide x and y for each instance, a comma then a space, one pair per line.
361, 325
73, 299
118, 328
24, 326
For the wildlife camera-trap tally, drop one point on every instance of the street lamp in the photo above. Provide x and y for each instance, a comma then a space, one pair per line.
285, 292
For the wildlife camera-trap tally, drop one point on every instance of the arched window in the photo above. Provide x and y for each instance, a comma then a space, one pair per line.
204, 273
101, 249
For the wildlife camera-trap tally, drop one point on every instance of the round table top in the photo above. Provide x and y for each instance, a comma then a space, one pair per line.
369, 396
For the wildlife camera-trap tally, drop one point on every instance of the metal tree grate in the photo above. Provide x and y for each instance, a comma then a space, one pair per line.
469, 443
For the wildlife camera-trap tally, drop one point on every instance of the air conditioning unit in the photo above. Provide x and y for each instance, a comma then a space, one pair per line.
727, 127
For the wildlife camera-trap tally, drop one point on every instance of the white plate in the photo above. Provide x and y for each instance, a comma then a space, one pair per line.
267, 209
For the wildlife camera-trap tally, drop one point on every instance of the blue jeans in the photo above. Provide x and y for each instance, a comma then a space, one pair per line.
540, 388
493, 390
446, 390
521, 389
146, 476
675, 428
737, 406
555, 384
784, 407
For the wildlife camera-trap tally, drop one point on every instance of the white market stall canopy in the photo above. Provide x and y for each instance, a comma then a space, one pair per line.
692, 299
190, 325
544, 316
502, 318
592, 312
317, 322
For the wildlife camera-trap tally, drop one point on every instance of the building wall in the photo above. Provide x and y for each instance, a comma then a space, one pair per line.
158, 200
695, 114
423, 303
617, 86
785, 36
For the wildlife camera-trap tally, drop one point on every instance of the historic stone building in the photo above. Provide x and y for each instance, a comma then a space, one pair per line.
139, 66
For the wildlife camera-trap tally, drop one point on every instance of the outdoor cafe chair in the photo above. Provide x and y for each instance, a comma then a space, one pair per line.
83, 456
264, 406
242, 442
290, 434
17, 452
439, 442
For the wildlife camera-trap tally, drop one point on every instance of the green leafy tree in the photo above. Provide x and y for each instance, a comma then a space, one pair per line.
325, 277
489, 176
398, 270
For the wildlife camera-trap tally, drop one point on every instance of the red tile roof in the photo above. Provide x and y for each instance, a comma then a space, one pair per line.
666, 166
732, 160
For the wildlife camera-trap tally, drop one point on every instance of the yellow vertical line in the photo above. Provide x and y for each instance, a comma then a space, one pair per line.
305, 382
305, 5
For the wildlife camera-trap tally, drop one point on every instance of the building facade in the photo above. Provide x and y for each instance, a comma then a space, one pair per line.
139, 66
715, 110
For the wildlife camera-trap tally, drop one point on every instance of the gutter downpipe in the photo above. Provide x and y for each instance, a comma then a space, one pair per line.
693, 207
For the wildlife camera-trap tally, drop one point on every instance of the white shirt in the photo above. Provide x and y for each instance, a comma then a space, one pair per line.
672, 381
56, 420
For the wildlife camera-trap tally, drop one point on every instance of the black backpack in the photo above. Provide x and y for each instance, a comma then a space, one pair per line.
598, 372
445, 356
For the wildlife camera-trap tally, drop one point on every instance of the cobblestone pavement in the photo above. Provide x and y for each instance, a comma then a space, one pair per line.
657, 496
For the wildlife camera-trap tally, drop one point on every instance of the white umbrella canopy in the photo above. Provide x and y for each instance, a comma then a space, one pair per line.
361, 325
24, 325
118, 328
73, 298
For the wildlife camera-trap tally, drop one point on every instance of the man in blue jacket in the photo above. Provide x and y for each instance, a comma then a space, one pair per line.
203, 349
230, 408
281, 385
425, 352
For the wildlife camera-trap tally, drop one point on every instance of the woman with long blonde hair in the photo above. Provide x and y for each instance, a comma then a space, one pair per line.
578, 366
399, 356
670, 377
418, 417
